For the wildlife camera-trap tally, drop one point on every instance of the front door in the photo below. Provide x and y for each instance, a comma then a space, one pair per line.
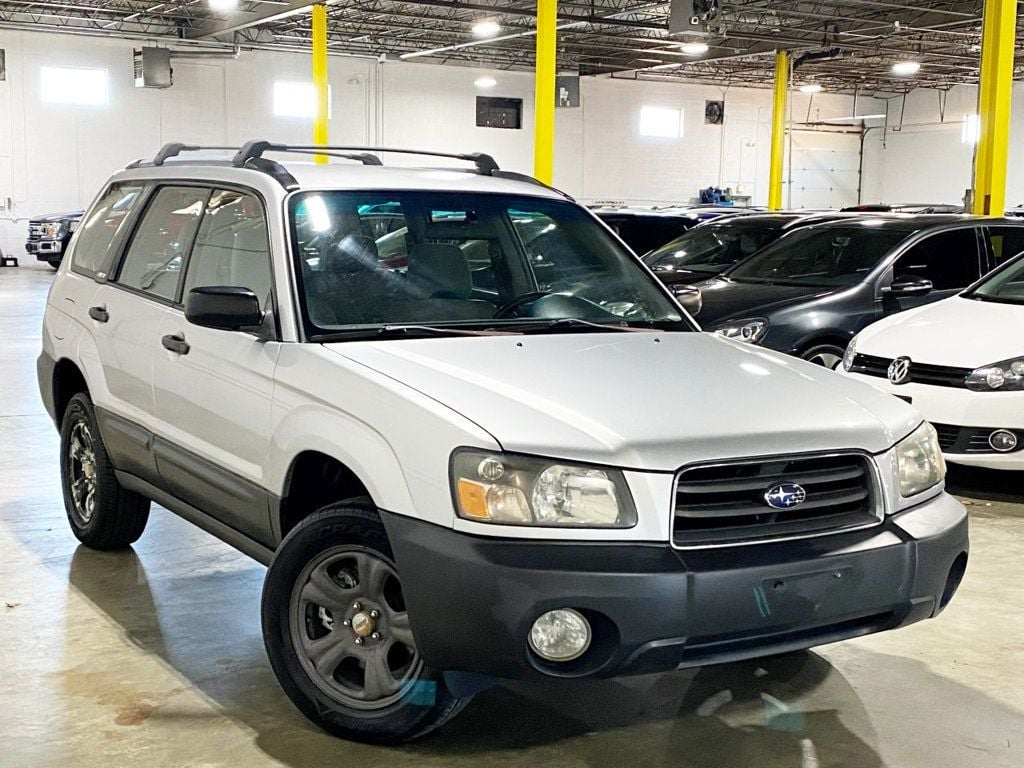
950, 259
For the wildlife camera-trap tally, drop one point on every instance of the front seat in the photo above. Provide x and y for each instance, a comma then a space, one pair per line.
441, 274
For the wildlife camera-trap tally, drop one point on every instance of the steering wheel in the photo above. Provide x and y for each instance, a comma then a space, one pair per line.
506, 309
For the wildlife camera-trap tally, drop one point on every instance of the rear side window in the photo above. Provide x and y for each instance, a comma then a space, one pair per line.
100, 229
154, 259
1006, 242
948, 259
231, 247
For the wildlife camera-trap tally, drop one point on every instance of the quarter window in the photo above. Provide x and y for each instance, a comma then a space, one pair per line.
948, 259
231, 247
154, 260
104, 222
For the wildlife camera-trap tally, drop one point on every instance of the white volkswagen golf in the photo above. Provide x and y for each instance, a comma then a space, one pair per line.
961, 363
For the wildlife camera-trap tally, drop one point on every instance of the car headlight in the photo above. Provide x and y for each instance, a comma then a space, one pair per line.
511, 489
919, 461
50, 231
749, 331
1007, 376
849, 354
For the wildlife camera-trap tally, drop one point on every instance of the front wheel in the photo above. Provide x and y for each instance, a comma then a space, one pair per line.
826, 355
337, 632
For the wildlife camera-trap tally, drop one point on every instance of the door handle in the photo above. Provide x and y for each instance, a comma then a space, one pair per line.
99, 314
176, 343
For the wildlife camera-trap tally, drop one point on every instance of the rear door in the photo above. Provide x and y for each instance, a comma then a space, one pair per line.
213, 399
950, 259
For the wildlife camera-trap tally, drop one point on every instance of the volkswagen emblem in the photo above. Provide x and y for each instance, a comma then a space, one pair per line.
785, 496
899, 370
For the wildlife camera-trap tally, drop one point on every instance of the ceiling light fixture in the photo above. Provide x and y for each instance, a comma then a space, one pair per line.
906, 68
485, 82
487, 28
694, 49
810, 88
223, 6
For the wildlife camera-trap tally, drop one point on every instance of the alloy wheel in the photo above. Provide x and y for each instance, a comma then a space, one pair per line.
82, 471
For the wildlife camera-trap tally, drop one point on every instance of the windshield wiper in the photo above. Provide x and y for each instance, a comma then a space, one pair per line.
575, 322
403, 331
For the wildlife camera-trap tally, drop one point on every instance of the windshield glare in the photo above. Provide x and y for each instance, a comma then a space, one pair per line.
711, 247
373, 259
829, 256
1006, 286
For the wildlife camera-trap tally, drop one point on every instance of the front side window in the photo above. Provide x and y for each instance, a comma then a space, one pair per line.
370, 259
825, 257
711, 248
231, 247
101, 227
156, 254
948, 259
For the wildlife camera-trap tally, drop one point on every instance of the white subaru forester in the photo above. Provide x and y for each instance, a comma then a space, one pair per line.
471, 435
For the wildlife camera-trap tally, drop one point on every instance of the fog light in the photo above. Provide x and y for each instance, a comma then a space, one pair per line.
1002, 440
561, 635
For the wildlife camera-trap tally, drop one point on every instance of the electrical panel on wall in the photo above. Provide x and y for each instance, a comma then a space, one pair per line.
152, 68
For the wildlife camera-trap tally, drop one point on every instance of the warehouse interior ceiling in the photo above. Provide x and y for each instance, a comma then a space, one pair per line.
842, 44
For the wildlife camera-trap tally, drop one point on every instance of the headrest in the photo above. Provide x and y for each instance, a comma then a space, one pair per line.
441, 269
353, 253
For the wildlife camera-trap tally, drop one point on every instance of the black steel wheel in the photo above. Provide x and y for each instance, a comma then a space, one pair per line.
338, 634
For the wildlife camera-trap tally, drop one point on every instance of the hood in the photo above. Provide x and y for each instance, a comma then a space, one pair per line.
724, 298
958, 332
58, 216
685, 276
650, 401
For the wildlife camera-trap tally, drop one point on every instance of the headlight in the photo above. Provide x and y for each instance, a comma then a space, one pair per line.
750, 331
50, 231
849, 354
511, 489
1007, 376
919, 461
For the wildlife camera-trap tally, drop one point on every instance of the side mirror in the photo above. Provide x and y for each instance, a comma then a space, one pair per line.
909, 285
228, 308
689, 297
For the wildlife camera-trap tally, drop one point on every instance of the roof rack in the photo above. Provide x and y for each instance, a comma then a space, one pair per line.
252, 150
173, 149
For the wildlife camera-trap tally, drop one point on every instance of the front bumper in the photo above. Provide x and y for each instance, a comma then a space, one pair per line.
44, 250
963, 408
472, 600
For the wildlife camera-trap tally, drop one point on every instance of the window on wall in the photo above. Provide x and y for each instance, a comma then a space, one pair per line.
293, 99
73, 85
496, 112
661, 122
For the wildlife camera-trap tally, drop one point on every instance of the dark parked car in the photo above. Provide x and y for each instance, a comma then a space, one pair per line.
48, 236
904, 208
714, 246
809, 292
645, 230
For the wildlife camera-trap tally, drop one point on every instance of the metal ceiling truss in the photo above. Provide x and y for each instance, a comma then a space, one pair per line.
618, 38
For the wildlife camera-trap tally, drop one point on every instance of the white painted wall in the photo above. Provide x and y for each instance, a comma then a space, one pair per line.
924, 159
55, 158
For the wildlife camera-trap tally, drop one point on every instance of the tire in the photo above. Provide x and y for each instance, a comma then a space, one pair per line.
102, 514
334, 577
826, 355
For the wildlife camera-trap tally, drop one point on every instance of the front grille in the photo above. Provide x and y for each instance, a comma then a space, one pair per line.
720, 504
920, 373
956, 439
35, 230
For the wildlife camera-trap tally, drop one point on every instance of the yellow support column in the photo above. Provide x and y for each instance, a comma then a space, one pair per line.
994, 96
778, 130
544, 88
320, 78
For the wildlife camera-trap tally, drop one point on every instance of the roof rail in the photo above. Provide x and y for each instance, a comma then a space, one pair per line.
485, 164
173, 149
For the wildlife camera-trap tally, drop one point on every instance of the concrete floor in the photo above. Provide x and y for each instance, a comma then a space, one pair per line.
153, 656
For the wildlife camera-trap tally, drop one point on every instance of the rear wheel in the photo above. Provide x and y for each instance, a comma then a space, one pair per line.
102, 514
826, 355
338, 636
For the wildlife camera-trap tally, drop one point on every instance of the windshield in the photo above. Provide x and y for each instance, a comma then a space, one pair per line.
377, 260
829, 256
1006, 286
712, 247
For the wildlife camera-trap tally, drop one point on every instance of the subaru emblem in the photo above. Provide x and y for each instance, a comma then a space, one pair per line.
899, 370
785, 496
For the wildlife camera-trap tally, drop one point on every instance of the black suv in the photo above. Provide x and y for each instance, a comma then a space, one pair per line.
809, 292
48, 236
646, 229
